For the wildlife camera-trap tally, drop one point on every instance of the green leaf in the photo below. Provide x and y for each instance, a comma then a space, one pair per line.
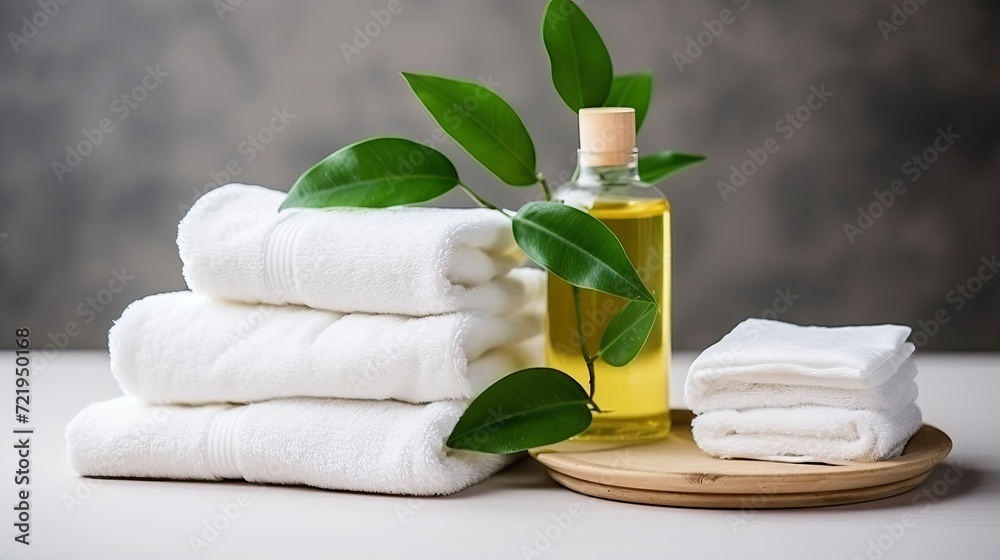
632, 90
581, 65
578, 248
656, 167
374, 173
528, 408
482, 123
627, 332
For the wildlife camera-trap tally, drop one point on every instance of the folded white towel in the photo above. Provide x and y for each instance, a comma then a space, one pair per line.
763, 351
187, 348
782, 392
368, 446
806, 434
738, 394
414, 261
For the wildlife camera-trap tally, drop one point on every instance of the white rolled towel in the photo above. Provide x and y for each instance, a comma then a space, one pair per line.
188, 348
414, 261
807, 434
367, 446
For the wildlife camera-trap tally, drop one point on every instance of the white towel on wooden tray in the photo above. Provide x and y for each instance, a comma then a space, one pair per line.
765, 351
736, 393
807, 434
776, 391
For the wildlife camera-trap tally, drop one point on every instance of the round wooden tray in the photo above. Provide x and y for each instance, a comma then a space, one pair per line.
674, 472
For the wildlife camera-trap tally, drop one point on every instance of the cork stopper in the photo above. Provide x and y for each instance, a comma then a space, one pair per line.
607, 135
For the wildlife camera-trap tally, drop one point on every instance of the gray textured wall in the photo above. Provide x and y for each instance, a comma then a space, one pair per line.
65, 238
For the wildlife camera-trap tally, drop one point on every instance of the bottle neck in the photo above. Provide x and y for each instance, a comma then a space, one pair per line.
603, 169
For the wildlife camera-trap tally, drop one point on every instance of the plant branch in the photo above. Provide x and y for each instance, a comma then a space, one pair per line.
545, 186
482, 202
583, 346
594, 404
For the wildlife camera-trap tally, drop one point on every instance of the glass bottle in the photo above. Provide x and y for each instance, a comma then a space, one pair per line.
634, 398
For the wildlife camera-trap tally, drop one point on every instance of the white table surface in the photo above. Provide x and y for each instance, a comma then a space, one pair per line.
505, 516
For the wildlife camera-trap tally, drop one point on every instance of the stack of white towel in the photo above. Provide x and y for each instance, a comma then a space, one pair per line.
775, 391
333, 348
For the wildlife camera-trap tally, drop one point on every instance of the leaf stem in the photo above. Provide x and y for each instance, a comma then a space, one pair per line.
594, 404
545, 186
583, 346
482, 202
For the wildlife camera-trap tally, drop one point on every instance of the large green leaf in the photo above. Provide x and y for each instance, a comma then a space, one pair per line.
528, 408
632, 90
578, 248
656, 167
374, 173
482, 123
581, 65
627, 332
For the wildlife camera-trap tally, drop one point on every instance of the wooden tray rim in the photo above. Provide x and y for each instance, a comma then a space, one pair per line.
936, 445
738, 501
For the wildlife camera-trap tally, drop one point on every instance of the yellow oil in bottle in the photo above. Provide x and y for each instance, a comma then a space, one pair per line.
633, 399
